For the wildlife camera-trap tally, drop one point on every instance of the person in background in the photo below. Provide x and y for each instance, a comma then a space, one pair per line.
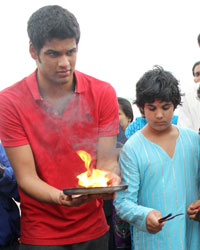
189, 115
160, 163
125, 112
198, 40
119, 233
9, 211
71, 112
122, 228
194, 207
196, 72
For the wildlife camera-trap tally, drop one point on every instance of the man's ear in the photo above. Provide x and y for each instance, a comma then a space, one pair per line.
33, 51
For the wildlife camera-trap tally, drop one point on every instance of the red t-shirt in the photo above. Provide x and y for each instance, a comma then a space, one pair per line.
25, 118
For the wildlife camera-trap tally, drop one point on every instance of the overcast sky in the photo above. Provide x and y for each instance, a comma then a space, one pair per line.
120, 39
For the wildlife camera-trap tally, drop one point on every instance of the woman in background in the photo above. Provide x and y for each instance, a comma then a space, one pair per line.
125, 112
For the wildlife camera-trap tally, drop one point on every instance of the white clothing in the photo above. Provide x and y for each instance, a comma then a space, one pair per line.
189, 112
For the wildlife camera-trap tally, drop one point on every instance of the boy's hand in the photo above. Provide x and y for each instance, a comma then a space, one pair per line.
152, 223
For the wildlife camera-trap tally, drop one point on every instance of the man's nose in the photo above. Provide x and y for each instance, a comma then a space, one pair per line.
64, 61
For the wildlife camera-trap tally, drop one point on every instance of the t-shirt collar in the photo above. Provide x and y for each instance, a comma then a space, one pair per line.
33, 86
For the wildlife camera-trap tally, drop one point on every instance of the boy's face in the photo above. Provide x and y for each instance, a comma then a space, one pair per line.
159, 114
56, 61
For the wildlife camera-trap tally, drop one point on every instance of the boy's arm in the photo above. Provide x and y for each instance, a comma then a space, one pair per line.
126, 201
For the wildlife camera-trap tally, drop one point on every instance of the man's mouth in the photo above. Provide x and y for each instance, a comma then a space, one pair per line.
64, 73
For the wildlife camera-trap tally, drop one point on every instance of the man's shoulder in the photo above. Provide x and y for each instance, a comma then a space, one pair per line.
17, 89
91, 81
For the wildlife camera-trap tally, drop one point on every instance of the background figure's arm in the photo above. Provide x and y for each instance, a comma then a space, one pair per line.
8, 184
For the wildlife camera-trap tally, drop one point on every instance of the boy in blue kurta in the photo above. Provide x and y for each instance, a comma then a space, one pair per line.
160, 163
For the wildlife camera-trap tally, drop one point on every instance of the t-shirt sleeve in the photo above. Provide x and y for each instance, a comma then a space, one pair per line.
11, 130
108, 113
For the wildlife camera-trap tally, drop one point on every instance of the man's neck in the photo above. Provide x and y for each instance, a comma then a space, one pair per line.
52, 92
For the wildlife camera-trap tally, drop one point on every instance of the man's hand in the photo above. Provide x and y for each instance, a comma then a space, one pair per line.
114, 179
73, 200
193, 209
152, 223
78, 200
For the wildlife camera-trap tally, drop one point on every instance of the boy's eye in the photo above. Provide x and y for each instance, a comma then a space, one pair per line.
151, 108
166, 107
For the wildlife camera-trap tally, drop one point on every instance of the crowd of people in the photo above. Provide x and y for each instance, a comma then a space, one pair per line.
50, 115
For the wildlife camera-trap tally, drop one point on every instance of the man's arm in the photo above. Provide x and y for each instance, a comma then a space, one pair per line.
22, 161
107, 158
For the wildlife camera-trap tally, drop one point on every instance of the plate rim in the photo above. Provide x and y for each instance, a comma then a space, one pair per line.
97, 190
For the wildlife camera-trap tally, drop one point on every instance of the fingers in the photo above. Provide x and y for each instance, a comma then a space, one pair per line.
114, 179
193, 206
193, 209
73, 201
78, 200
152, 222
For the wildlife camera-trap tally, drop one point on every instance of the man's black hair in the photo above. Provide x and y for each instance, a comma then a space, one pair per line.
157, 84
50, 22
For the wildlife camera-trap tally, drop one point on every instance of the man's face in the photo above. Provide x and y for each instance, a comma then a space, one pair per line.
159, 114
56, 61
197, 74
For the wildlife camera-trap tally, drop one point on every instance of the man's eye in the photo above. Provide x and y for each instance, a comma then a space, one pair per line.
52, 53
70, 52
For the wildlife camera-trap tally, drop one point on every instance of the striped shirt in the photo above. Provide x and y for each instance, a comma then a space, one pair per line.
156, 181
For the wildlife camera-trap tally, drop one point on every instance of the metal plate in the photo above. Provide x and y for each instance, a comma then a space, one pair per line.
94, 190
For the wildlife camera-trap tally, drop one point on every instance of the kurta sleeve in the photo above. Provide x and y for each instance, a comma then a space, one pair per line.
126, 202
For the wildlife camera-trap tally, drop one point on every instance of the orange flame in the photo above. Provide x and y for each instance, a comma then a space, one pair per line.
92, 177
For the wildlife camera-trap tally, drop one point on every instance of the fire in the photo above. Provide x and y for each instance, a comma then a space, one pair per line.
92, 177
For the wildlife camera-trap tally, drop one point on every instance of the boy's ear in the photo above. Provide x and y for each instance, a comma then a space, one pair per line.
33, 51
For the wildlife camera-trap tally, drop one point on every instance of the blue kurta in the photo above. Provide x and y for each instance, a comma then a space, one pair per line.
156, 181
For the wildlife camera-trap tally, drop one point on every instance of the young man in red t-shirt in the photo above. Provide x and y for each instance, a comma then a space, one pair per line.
44, 120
